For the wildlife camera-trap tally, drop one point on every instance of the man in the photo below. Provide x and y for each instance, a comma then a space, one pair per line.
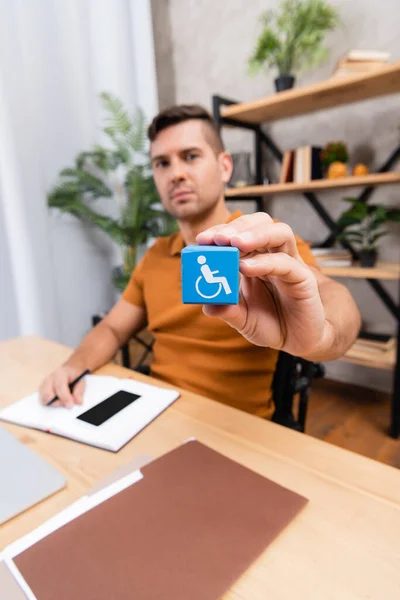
227, 353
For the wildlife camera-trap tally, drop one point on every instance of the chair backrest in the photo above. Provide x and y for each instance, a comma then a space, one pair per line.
293, 376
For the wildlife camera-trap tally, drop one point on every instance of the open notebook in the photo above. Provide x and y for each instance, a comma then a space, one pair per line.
185, 526
114, 411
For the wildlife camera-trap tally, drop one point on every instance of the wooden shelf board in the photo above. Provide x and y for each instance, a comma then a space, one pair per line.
327, 94
382, 270
314, 185
376, 359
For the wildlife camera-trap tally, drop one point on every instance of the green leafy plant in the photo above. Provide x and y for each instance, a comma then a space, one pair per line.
292, 38
334, 152
362, 223
120, 172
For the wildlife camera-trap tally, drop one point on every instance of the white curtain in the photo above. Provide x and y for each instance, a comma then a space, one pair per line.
56, 56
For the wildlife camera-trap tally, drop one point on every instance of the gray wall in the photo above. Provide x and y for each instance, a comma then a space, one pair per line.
211, 42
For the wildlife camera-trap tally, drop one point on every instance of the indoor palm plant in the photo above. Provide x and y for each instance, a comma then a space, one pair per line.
292, 38
121, 173
362, 224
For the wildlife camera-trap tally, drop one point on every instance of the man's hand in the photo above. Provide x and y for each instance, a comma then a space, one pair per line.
280, 304
56, 384
96, 349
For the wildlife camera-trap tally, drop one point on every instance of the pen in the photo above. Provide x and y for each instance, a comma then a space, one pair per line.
71, 385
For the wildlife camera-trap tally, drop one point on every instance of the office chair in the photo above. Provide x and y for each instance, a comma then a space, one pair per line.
293, 376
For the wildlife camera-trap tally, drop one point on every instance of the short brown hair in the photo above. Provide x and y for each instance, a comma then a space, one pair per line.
186, 112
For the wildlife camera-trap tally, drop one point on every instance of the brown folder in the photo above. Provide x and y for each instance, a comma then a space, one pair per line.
9, 588
187, 530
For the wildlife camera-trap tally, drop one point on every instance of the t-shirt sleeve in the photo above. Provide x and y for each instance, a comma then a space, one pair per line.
305, 252
134, 292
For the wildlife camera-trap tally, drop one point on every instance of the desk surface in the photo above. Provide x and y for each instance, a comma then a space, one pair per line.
346, 542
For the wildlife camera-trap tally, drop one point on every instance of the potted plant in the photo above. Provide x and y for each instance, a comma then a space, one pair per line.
121, 173
334, 158
292, 39
362, 225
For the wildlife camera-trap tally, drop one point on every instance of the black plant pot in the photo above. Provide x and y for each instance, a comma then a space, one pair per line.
368, 258
284, 82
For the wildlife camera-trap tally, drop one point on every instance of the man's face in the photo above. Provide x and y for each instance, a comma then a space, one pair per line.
188, 173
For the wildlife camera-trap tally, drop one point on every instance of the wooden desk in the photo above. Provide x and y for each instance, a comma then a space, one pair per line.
344, 545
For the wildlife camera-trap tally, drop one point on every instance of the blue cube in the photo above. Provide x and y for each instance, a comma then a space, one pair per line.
210, 275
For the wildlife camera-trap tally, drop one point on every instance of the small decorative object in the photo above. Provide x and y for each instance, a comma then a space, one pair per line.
334, 152
362, 225
360, 169
360, 62
292, 39
210, 275
121, 173
241, 174
337, 170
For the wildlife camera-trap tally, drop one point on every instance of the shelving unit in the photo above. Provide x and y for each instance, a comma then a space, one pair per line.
316, 185
328, 94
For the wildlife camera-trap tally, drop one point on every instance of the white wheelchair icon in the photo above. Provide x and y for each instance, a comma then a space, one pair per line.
209, 277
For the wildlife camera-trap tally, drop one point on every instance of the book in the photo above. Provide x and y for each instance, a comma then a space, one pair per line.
332, 257
307, 164
346, 70
114, 410
378, 342
375, 337
359, 62
334, 262
286, 175
360, 55
374, 348
299, 175
313, 166
331, 252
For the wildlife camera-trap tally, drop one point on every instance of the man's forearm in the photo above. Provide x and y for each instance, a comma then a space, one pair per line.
96, 348
342, 321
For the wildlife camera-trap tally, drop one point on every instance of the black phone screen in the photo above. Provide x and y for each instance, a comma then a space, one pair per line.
108, 408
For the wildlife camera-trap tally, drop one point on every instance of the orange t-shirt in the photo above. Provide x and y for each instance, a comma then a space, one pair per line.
193, 351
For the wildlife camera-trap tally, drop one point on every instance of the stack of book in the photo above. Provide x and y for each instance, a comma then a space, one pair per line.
370, 342
301, 165
332, 257
373, 349
360, 62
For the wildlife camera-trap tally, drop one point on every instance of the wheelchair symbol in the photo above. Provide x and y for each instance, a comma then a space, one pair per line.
200, 277
209, 277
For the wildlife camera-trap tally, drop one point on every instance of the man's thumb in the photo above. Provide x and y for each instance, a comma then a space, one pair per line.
233, 315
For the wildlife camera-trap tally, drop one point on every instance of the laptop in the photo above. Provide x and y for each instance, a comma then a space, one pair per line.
25, 477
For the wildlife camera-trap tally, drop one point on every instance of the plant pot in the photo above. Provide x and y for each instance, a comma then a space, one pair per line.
284, 82
368, 258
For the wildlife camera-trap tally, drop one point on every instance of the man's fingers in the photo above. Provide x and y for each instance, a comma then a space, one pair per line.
286, 268
222, 234
63, 392
47, 391
262, 237
78, 392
